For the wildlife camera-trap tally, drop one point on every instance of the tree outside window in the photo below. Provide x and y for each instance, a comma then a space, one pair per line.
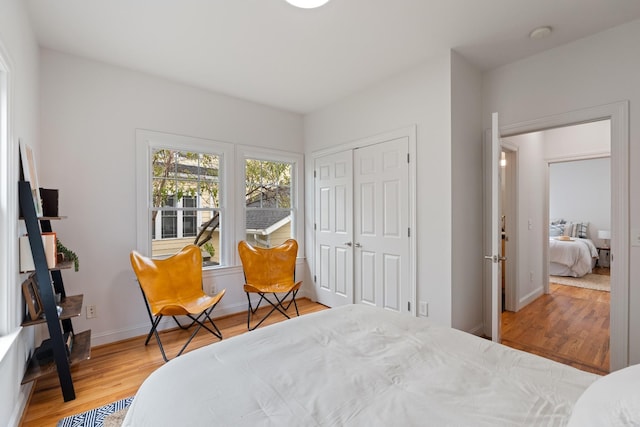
268, 202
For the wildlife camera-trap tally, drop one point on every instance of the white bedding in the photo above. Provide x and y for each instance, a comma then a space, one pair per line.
571, 258
358, 366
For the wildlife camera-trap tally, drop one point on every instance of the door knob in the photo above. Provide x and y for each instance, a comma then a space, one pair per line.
348, 244
358, 245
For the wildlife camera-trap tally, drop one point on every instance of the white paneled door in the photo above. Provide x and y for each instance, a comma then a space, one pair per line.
381, 225
334, 229
362, 227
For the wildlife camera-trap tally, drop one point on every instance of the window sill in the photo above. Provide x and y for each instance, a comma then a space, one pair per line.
7, 341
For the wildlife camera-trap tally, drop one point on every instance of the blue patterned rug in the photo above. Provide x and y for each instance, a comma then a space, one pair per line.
95, 417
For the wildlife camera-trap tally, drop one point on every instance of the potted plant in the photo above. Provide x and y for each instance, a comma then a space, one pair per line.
67, 254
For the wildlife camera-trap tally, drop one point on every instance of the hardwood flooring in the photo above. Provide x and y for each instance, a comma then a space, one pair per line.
569, 325
116, 370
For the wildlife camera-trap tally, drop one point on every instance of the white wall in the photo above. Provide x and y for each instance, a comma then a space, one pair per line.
545, 84
421, 96
466, 195
18, 44
581, 191
530, 206
90, 112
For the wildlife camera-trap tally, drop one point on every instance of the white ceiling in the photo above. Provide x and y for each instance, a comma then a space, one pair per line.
301, 60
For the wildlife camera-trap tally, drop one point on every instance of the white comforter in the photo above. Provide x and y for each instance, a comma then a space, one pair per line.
357, 366
577, 255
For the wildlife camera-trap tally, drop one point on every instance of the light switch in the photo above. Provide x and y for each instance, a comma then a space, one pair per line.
635, 237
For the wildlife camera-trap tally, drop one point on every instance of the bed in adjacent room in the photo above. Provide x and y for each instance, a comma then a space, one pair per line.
571, 252
358, 366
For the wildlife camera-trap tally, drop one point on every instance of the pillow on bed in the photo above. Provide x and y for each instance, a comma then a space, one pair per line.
580, 230
613, 400
568, 229
556, 230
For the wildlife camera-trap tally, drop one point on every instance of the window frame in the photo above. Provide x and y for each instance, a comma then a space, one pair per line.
10, 312
245, 152
146, 142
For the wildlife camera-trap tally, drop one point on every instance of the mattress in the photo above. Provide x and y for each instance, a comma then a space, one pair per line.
358, 366
575, 257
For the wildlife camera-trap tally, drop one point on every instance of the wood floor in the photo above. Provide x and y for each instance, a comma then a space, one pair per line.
115, 371
569, 325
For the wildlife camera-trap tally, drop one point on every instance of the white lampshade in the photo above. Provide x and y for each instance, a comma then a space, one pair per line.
604, 234
307, 4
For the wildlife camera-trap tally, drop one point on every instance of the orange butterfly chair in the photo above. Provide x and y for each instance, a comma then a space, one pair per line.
173, 287
270, 271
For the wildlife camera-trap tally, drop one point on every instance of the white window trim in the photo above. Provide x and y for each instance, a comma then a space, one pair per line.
146, 142
9, 319
244, 152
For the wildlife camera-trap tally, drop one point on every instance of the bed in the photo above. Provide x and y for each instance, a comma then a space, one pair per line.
358, 366
571, 256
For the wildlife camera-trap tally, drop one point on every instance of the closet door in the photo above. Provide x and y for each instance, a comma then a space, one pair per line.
381, 225
334, 229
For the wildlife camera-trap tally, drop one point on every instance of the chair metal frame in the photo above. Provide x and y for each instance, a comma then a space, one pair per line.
253, 288
196, 318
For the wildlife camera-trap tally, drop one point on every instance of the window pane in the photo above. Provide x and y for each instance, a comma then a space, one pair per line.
188, 182
268, 227
189, 217
169, 220
207, 231
268, 202
267, 184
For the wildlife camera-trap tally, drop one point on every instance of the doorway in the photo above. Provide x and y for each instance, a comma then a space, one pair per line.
617, 113
576, 209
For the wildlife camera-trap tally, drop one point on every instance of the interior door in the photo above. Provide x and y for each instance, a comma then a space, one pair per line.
493, 257
381, 225
334, 229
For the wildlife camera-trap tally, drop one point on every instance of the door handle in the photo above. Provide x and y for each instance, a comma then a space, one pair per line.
358, 245
495, 258
348, 244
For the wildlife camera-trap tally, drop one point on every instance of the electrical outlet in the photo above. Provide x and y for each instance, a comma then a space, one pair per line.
423, 309
91, 311
212, 289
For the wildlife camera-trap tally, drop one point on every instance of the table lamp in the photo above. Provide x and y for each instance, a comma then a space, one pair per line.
605, 235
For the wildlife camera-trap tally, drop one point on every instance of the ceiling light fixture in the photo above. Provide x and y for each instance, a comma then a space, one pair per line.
540, 32
307, 4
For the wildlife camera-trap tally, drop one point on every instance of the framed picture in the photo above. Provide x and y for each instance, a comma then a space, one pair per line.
32, 297
30, 173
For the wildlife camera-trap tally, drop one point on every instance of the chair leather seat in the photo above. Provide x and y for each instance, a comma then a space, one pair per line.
181, 307
272, 288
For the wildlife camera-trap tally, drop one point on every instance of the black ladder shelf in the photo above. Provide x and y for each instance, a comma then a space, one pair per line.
71, 305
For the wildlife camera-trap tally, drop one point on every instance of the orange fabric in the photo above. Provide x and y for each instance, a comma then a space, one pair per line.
173, 286
269, 270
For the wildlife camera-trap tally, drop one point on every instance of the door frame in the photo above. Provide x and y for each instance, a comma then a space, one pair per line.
618, 113
409, 132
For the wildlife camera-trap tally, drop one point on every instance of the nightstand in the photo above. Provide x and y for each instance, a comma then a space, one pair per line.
603, 262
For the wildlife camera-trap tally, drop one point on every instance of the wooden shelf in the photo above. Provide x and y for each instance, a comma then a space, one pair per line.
64, 265
71, 307
80, 351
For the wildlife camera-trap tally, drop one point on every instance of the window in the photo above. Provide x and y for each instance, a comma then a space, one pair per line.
10, 311
268, 197
271, 185
183, 181
184, 196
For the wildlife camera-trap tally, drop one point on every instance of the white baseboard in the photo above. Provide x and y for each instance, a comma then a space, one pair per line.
529, 298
